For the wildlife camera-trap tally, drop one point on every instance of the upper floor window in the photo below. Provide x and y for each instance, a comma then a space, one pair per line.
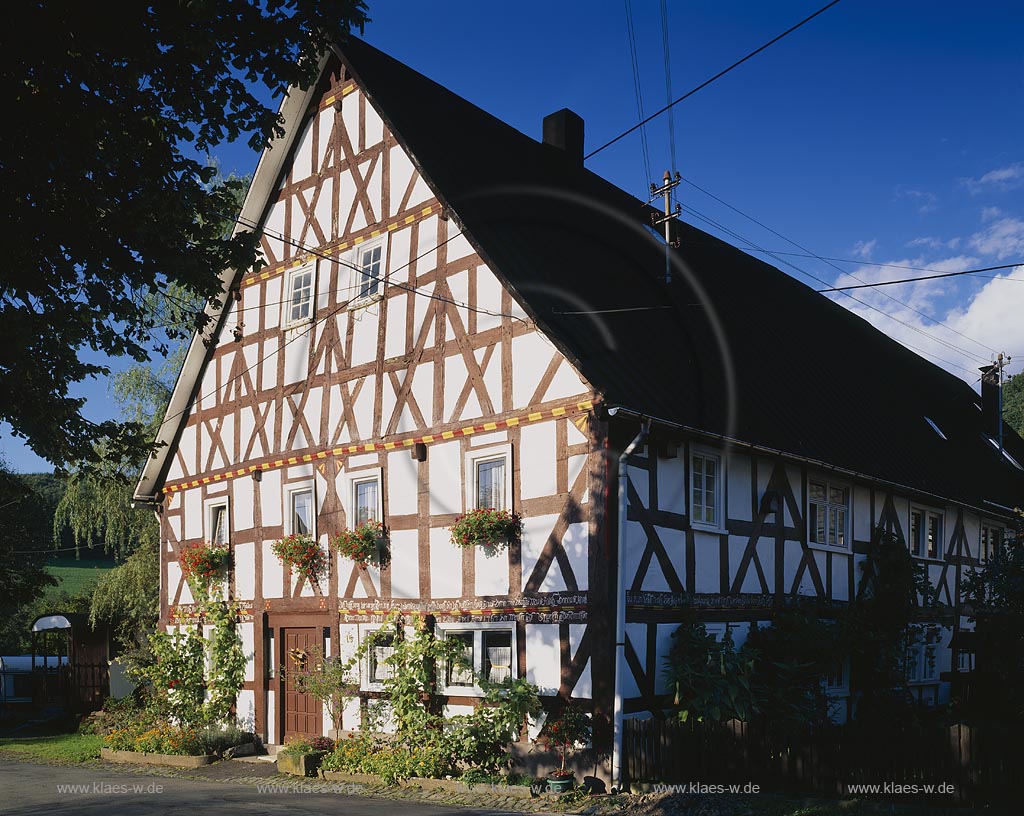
991, 541
301, 512
925, 533
218, 520
378, 666
828, 509
837, 681
365, 496
299, 302
369, 271
705, 489
489, 478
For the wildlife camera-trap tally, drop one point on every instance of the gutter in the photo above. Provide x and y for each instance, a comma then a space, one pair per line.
620, 597
620, 410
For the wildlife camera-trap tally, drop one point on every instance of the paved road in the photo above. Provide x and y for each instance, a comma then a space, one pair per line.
32, 790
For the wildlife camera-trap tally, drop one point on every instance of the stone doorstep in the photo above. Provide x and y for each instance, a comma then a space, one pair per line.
428, 784
172, 760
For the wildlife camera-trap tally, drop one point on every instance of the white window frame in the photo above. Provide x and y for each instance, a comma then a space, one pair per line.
289, 507
286, 319
477, 630
928, 514
920, 670
840, 688
718, 524
357, 477
357, 272
475, 457
828, 505
366, 664
985, 547
209, 510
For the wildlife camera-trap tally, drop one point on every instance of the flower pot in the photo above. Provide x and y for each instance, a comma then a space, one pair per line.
561, 784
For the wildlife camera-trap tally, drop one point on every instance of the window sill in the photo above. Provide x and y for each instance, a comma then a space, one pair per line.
364, 302
708, 528
832, 548
927, 559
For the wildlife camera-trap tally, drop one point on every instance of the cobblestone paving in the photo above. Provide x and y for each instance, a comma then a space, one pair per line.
482, 797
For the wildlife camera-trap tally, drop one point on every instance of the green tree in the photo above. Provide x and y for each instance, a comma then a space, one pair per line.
1013, 403
106, 197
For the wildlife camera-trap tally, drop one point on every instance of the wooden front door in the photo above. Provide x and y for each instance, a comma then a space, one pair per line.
303, 713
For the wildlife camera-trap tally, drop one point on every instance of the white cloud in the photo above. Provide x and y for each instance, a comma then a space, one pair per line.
1002, 178
926, 202
991, 315
1003, 238
929, 242
990, 213
864, 249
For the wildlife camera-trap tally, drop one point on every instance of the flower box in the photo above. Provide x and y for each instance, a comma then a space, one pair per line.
487, 528
365, 544
302, 554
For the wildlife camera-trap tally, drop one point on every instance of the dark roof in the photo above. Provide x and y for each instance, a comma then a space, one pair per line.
732, 346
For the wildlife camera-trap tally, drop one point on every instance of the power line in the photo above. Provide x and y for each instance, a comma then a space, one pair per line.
844, 272
631, 36
922, 278
668, 85
852, 297
707, 82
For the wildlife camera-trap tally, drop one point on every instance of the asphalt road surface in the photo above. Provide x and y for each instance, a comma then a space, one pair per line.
48, 790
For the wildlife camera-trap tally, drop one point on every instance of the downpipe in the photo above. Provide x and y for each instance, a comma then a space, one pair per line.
620, 599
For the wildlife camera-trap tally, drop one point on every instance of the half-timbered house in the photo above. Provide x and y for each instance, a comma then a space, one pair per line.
452, 312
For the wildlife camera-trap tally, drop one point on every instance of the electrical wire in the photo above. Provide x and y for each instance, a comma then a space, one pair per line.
707, 82
928, 277
844, 272
631, 36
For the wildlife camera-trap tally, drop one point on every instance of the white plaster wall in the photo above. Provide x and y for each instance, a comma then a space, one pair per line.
537, 453
445, 463
245, 571
542, 657
270, 502
405, 565
530, 355
246, 709
271, 719
490, 572
246, 633
174, 578
273, 573
535, 534
445, 565
193, 513
738, 487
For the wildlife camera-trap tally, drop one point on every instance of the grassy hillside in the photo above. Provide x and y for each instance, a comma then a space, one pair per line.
76, 575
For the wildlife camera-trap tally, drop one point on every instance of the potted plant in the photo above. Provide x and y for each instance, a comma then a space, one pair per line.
203, 564
302, 554
569, 730
486, 527
366, 543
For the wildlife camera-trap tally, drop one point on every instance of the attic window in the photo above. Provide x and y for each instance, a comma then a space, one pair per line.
936, 428
1004, 452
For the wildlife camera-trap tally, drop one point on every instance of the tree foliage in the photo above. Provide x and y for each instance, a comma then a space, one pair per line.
1013, 403
106, 198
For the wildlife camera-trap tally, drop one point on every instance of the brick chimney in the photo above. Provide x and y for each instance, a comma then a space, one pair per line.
564, 130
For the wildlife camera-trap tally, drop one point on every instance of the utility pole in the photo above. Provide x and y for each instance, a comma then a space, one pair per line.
1001, 362
669, 183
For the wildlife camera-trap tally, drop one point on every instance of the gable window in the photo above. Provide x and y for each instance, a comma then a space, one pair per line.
837, 681
705, 489
828, 508
991, 541
925, 533
299, 302
218, 520
487, 653
302, 518
369, 271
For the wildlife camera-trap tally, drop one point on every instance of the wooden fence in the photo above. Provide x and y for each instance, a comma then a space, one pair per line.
967, 763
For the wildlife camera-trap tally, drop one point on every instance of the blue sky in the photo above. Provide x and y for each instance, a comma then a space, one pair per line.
879, 132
